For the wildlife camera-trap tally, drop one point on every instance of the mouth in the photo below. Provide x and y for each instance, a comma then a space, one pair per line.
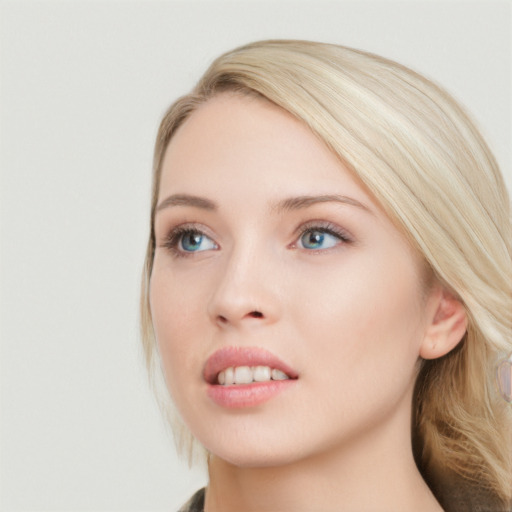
249, 374
246, 376
244, 365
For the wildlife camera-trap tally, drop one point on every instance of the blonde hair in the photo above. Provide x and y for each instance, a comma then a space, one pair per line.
423, 159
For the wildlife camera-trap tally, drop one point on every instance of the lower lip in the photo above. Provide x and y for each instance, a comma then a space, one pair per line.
247, 395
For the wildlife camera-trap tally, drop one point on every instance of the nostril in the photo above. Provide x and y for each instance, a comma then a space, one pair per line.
225, 320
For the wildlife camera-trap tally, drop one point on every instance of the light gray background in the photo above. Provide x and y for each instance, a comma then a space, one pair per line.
83, 86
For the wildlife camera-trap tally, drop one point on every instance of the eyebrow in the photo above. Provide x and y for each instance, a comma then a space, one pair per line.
300, 202
186, 200
290, 204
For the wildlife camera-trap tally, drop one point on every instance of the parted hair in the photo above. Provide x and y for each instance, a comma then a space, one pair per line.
421, 156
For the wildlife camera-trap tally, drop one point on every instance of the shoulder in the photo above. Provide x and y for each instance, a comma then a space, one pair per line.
194, 504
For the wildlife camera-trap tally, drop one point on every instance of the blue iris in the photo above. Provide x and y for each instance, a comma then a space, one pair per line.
318, 239
194, 241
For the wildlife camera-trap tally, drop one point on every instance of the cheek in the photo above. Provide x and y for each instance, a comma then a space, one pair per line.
362, 331
366, 313
176, 323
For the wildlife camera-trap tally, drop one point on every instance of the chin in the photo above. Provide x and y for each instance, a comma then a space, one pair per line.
267, 451
247, 459
253, 450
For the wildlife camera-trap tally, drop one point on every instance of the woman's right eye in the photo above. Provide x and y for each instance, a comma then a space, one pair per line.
189, 241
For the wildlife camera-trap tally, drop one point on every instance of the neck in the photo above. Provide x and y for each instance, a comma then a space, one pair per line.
375, 473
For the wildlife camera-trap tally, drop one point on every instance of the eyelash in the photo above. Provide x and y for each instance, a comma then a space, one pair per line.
324, 227
175, 236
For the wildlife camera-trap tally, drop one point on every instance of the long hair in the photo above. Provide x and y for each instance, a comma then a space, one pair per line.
425, 162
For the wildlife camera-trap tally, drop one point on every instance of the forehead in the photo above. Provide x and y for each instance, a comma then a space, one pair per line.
248, 142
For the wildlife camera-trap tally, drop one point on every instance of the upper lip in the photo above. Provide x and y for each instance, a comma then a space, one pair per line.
242, 356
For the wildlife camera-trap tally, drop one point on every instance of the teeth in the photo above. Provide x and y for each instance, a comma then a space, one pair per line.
229, 377
261, 373
278, 375
243, 375
249, 374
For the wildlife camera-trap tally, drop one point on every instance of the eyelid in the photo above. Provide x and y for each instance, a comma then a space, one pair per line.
173, 235
325, 226
172, 238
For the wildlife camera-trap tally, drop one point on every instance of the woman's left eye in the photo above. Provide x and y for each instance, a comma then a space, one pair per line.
320, 238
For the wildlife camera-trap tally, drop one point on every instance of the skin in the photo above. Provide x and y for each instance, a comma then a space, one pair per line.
351, 317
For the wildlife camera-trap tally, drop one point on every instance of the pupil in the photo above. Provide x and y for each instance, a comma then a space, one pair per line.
316, 238
192, 241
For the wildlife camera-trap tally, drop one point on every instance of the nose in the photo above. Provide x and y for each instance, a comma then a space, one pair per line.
246, 291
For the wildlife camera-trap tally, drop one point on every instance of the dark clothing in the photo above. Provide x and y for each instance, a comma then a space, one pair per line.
459, 502
194, 504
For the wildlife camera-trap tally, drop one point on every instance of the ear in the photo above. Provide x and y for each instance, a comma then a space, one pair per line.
447, 324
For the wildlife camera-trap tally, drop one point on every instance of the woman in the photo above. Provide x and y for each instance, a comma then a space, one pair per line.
329, 264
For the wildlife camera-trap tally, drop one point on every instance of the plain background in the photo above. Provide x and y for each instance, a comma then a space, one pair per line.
83, 87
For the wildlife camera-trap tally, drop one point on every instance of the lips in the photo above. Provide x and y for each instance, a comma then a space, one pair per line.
248, 394
233, 357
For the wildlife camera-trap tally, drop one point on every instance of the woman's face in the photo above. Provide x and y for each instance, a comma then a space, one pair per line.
270, 254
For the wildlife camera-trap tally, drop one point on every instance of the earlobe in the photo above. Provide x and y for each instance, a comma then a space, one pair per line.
447, 325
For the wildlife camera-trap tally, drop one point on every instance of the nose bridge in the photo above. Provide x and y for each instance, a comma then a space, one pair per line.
244, 287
